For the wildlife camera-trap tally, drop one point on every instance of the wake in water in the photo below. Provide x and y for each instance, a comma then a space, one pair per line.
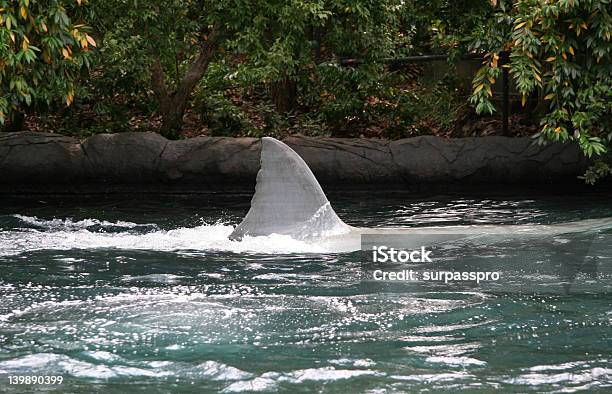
31, 233
64, 234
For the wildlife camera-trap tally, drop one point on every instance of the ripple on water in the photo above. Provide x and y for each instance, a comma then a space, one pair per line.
270, 380
59, 364
115, 301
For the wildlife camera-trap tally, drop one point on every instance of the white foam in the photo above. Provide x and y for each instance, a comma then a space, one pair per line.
45, 363
364, 362
69, 223
254, 385
218, 371
269, 380
66, 234
573, 377
31, 361
439, 377
326, 374
455, 361
103, 356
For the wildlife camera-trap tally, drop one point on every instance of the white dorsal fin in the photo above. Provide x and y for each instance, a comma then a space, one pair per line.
288, 199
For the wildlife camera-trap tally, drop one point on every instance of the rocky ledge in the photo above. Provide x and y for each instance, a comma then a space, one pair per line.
38, 161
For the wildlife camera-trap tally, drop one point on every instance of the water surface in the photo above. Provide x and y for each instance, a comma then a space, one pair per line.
107, 291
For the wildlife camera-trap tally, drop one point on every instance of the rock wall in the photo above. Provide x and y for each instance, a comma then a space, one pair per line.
39, 161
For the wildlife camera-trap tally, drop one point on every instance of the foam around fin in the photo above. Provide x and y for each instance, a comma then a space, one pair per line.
288, 199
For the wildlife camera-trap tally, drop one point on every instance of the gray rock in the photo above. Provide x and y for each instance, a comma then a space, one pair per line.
485, 159
346, 160
149, 161
125, 157
211, 160
41, 158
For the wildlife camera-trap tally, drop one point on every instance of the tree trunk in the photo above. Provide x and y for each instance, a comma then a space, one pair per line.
284, 95
172, 105
16, 122
171, 111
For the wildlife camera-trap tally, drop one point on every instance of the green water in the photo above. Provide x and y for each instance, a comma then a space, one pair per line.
141, 293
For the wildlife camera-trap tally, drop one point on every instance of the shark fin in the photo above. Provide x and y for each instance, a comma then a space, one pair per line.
288, 199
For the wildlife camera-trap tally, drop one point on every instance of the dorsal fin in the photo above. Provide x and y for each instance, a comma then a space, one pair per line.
288, 199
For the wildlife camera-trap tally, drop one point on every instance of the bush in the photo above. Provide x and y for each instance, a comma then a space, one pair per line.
44, 48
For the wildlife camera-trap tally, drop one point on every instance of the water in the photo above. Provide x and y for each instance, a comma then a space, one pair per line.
149, 292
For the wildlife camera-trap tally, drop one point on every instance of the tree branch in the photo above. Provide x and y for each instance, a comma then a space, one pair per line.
198, 67
158, 82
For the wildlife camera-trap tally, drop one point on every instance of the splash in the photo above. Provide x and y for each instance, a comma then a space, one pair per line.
70, 224
67, 234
